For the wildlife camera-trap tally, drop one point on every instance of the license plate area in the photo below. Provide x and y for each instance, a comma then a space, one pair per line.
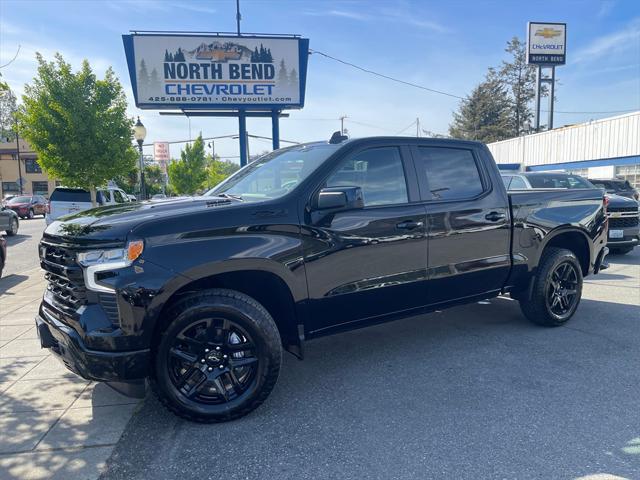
616, 233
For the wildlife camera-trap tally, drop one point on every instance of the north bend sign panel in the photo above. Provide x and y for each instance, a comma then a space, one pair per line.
221, 72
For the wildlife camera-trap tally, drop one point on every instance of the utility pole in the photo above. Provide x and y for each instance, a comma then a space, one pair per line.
18, 154
342, 124
248, 154
417, 127
238, 16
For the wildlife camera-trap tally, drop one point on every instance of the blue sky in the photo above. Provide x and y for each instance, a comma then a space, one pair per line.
444, 45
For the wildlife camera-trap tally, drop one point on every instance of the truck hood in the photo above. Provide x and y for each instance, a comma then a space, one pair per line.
618, 201
111, 224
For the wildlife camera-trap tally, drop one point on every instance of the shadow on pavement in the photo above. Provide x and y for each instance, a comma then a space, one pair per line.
472, 392
16, 239
10, 281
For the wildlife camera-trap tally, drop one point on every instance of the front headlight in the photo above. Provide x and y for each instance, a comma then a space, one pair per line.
116, 258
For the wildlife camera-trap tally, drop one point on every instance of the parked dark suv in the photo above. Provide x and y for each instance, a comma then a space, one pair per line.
201, 295
617, 186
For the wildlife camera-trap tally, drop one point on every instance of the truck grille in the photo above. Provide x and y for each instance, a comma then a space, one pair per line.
64, 277
625, 217
65, 282
623, 222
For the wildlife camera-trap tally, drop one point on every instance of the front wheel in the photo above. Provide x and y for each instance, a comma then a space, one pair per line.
31, 214
557, 289
218, 359
13, 229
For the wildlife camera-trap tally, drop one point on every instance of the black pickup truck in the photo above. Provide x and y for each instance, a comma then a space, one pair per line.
201, 295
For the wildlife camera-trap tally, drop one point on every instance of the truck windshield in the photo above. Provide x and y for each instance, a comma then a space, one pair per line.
275, 174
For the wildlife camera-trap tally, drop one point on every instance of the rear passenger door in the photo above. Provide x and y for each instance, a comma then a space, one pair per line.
369, 262
468, 225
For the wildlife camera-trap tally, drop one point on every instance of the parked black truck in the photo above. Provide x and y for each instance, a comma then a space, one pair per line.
202, 295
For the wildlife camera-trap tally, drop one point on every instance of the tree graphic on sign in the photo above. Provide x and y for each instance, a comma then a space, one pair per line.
143, 78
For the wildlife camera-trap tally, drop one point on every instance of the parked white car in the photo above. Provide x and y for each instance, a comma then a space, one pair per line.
65, 201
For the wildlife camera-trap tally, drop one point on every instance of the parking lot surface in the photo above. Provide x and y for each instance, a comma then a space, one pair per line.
23, 247
472, 392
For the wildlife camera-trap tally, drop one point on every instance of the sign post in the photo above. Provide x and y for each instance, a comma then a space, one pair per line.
214, 74
546, 48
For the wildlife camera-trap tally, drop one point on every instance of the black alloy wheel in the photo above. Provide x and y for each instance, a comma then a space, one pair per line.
562, 289
31, 214
219, 357
557, 289
213, 361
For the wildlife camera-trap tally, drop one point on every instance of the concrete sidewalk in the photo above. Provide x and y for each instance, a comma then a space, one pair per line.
53, 424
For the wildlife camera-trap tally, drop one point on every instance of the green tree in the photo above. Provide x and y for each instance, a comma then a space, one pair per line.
519, 79
218, 170
189, 174
153, 179
77, 124
7, 113
484, 115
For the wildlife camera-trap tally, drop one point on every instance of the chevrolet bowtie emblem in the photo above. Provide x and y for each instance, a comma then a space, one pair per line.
548, 32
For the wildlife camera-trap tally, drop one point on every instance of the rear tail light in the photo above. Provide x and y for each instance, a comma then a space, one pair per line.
605, 203
47, 208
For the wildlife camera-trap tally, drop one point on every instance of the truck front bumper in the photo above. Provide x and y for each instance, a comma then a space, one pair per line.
96, 365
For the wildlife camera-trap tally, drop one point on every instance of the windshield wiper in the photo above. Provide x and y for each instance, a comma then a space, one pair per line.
229, 195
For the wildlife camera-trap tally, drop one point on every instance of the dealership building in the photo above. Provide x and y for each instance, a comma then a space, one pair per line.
604, 148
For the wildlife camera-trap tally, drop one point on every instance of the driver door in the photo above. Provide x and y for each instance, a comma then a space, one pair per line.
367, 263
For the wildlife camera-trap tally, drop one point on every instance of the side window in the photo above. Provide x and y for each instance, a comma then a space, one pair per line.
517, 183
106, 196
378, 172
507, 181
452, 173
118, 197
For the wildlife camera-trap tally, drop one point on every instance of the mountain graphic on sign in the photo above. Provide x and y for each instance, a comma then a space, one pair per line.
220, 52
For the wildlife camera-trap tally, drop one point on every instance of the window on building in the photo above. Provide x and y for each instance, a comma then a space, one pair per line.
31, 166
583, 172
10, 187
40, 188
378, 172
631, 173
452, 173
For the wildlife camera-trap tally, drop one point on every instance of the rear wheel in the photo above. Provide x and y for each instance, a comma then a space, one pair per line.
13, 228
218, 359
557, 289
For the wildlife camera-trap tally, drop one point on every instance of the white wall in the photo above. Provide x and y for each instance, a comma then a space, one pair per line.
607, 138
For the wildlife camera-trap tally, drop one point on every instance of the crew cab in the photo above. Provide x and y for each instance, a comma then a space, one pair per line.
201, 295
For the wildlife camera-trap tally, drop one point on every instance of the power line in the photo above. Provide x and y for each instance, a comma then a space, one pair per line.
422, 87
406, 128
366, 70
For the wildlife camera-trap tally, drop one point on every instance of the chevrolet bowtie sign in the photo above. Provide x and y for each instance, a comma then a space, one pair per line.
546, 43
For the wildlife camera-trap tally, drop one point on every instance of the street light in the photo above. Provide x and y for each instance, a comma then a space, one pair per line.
139, 133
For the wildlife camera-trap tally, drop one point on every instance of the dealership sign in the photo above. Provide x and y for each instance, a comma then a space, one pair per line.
546, 43
210, 71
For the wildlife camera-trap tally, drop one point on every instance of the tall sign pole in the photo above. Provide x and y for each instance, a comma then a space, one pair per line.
546, 48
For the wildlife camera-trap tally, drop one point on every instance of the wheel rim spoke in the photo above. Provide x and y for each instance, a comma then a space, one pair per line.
186, 357
242, 362
213, 361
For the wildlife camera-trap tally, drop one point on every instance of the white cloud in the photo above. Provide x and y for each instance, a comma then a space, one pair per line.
613, 43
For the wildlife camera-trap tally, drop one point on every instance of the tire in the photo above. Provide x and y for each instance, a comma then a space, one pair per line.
219, 357
552, 304
1, 265
621, 250
31, 214
14, 228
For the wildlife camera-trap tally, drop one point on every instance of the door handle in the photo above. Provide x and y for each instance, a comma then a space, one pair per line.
495, 216
408, 225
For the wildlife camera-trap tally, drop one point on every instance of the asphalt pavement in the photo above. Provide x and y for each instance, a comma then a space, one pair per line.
22, 248
472, 392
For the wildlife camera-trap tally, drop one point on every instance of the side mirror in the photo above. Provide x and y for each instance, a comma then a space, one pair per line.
340, 198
